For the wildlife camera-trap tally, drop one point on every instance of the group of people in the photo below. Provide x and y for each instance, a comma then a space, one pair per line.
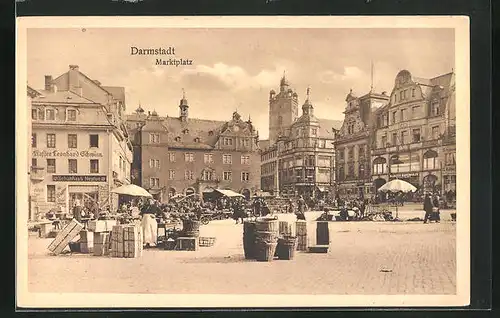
431, 208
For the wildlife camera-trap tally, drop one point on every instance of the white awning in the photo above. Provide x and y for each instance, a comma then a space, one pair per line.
321, 189
229, 193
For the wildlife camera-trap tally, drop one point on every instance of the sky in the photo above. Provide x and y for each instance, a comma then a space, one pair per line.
234, 69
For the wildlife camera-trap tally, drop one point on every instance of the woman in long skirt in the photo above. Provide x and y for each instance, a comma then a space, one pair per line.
149, 225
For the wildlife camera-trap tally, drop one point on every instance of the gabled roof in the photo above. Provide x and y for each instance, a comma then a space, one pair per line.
61, 97
118, 92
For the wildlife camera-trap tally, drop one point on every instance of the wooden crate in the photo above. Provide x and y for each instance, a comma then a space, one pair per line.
126, 241
70, 231
101, 225
301, 227
101, 244
187, 244
302, 242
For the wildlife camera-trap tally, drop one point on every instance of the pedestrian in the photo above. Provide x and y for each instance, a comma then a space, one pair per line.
77, 210
301, 205
149, 224
427, 207
435, 209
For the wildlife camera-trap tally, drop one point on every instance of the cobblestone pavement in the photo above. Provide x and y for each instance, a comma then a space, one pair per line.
364, 258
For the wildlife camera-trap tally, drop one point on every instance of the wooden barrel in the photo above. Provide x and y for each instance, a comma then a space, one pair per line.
301, 233
264, 252
286, 247
249, 239
322, 233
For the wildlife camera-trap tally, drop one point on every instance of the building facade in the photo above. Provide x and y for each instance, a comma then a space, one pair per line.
354, 142
301, 159
414, 140
184, 155
80, 145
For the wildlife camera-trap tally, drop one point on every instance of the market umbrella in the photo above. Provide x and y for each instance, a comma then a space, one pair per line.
397, 185
132, 190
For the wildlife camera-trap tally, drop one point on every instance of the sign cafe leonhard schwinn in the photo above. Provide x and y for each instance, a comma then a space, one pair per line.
67, 153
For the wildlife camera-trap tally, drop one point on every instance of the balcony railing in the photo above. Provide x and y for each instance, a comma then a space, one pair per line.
37, 173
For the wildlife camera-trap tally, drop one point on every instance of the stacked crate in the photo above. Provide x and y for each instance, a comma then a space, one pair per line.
286, 229
126, 241
65, 236
101, 243
301, 230
100, 226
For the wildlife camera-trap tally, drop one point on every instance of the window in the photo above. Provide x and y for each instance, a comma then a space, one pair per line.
34, 162
171, 174
413, 92
227, 175
34, 114
72, 166
188, 157
310, 161
350, 153
154, 182
280, 121
449, 159
154, 163
171, 157
245, 176
51, 140
50, 114
41, 114
245, 160
188, 175
404, 134
341, 154
314, 131
394, 139
361, 171
227, 141
208, 175
94, 141
384, 141
430, 160
71, 115
94, 166
51, 165
154, 138
227, 159
394, 117
33, 140
208, 158
416, 135
322, 143
51, 193
341, 173
246, 142
414, 111
379, 165
435, 132
72, 141
401, 95
435, 111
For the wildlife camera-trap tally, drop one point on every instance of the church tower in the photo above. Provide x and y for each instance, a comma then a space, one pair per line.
183, 108
283, 110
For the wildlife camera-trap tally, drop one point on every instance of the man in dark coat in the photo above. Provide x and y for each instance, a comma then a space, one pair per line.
427, 207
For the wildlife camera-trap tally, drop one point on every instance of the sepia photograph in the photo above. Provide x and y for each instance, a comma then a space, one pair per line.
242, 161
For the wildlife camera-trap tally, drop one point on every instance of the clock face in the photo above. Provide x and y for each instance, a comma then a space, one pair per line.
236, 128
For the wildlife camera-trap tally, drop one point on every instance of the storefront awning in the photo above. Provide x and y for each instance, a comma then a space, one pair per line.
208, 190
229, 193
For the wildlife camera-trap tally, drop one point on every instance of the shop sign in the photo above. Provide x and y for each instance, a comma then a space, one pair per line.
67, 153
79, 178
405, 175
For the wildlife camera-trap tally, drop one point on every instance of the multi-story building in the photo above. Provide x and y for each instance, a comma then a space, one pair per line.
353, 144
415, 133
80, 146
184, 155
300, 156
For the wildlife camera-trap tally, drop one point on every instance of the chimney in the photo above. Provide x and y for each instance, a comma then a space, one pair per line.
48, 83
73, 67
73, 79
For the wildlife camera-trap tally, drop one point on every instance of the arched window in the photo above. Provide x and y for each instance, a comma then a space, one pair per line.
430, 160
379, 165
350, 170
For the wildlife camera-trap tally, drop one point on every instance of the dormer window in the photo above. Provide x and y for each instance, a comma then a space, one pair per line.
177, 138
185, 131
210, 133
435, 111
197, 139
71, 115
50, 114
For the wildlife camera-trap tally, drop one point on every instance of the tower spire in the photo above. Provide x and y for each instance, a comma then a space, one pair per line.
308, 92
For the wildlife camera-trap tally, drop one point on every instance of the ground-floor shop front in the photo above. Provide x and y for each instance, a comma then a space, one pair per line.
355, 189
